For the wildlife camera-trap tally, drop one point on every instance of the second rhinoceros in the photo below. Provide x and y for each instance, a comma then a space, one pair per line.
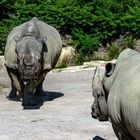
117, 95
32, 50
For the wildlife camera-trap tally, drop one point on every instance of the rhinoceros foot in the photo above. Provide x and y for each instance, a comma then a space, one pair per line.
39, 102
13, 95
28, 101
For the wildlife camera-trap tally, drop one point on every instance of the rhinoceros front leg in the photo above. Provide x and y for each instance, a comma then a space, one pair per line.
28, 95
39, 90
39, 85
14, 94
15, 84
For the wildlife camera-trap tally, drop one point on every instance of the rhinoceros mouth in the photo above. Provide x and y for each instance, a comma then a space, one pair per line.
29, 72
101, 118
98, 116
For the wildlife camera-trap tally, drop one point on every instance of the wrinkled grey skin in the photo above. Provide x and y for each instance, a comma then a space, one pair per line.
117, 95
32, 50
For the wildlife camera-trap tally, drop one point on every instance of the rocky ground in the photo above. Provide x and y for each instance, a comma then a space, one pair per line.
64, 115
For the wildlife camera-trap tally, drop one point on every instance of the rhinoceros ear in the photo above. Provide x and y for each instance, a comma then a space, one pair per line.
17, 38
109, 69
42, 39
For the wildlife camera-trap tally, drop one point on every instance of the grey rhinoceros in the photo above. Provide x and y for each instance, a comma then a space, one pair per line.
117, 95
32, 50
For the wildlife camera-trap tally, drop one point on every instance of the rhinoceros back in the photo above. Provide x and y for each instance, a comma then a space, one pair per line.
53, 44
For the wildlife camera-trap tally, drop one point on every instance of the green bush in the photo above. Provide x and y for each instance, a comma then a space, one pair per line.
80, 58
129, 42
91, 23
113, 51
60, 66
85, 43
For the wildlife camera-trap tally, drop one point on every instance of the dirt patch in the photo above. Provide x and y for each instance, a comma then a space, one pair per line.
64, 114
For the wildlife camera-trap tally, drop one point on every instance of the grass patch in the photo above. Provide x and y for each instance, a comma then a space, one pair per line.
60, 66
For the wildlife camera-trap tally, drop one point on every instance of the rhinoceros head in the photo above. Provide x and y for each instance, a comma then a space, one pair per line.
29, 56
99, 106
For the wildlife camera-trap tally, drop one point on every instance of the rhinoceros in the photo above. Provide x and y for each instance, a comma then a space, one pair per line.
117, 95
32, 50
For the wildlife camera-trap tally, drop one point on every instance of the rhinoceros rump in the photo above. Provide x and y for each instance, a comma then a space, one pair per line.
117, 95
32, 50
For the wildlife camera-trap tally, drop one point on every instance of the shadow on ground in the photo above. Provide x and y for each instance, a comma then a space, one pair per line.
50, 95
98, 138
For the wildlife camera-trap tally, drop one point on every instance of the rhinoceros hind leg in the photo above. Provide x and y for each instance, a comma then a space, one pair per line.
39, 90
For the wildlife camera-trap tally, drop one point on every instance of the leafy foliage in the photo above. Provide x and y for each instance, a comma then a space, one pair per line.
129, 42
113, 51
92, 23
85, 43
